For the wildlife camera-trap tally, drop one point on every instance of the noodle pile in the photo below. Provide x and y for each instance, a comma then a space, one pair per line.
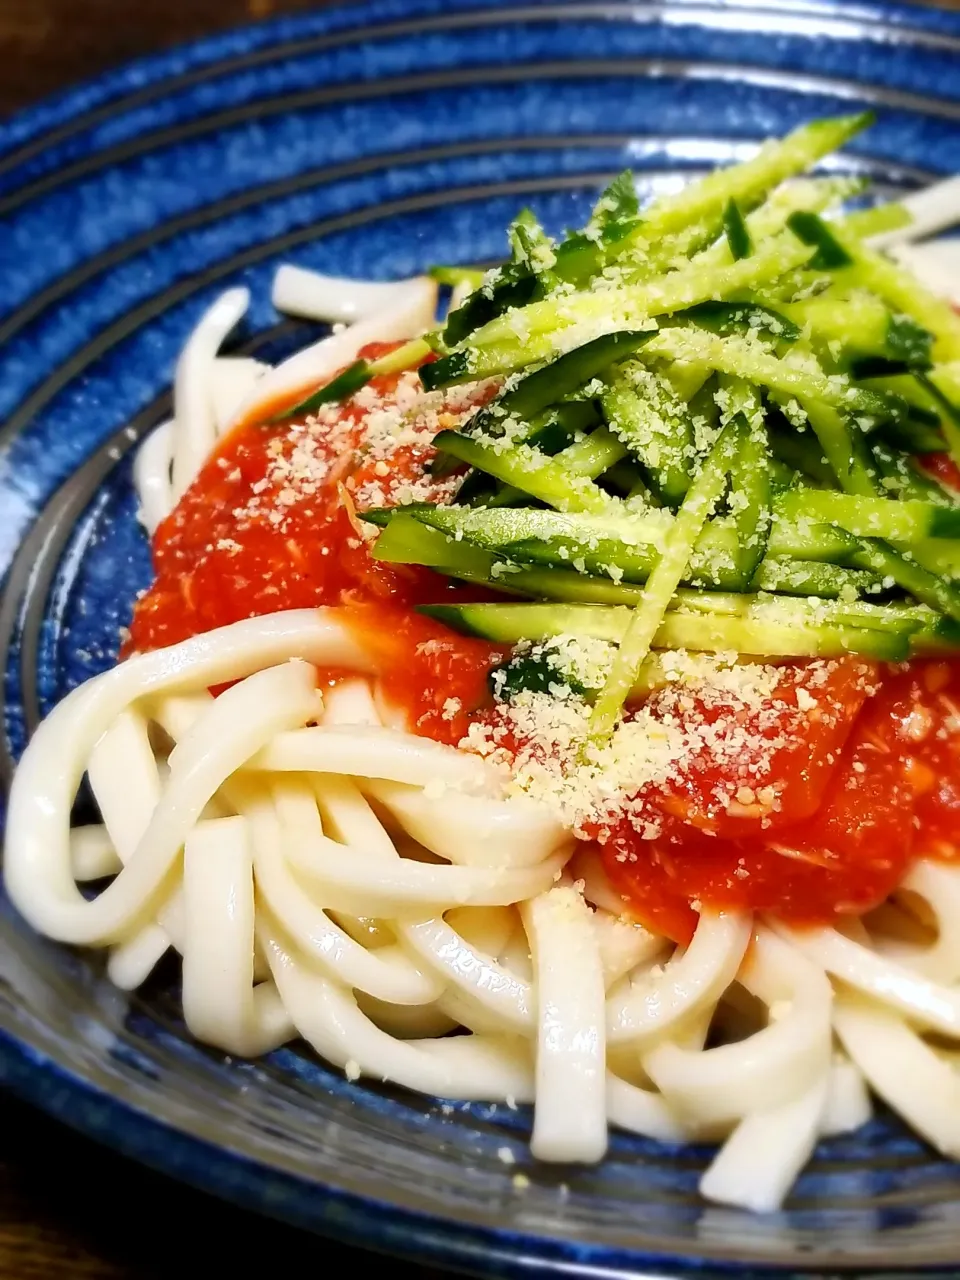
326, 875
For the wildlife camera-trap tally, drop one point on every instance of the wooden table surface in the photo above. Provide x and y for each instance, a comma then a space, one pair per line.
60, 1194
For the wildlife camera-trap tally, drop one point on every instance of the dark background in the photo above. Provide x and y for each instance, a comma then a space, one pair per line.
69, 1209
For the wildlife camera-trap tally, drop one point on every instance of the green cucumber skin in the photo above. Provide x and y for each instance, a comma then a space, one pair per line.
510, 624
554, 538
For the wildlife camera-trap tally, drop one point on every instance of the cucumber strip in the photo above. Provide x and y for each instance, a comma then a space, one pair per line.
690, 219
920, 431
689, 383
565, 375
792, 377
890, 565
511, 623
750, 319
812, 578
644, 412
949, 414
697, 506
735, 230
493, 529
530, 246
865, 516
569, 586
865, 223
564, 585
844, 446
796, 612
357, 375
901, 291
750, 488
511, 285
912, 436
813, 194
811, 229
748, 182
554, 426
532, 334
529, 470
590, 458
858, 322
454, 276
625, 478
806, 540
798, 578
783, 477
593, 455
800, 450
621, 544
405, 540
940, 556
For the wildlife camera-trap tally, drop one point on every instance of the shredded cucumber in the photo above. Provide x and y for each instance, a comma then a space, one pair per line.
708, 429
701, 498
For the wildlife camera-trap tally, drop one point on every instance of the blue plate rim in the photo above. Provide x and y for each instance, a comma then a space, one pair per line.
68, 107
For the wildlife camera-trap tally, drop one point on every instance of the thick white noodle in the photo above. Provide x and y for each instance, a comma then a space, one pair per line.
92, 855
152, 476
194, 414
37, 862
474, 832
327, 877
570, 1111
691, 980
232, 380
938, 886
848, 1103
642, 1111
757, 1165
125, 779
218, 933
385, 973
769, 1068
931, 209
931, 1004
624, 946
374, 752
585, 866
327, 1016
935, 264
909, 1075
301, 292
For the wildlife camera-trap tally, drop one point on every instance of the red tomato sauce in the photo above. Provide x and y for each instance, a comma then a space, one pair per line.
943, 468
878, 790
872, 783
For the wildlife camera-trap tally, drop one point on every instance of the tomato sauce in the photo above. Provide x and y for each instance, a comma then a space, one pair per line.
943, 468
872, 783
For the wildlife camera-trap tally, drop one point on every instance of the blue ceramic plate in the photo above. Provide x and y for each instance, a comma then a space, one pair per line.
374, 141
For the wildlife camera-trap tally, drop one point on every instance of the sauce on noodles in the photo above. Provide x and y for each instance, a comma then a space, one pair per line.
872, 782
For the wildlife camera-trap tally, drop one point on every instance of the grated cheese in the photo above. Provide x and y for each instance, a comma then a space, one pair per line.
712, 712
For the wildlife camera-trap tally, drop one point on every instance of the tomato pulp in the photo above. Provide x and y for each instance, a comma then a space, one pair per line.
869, 781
